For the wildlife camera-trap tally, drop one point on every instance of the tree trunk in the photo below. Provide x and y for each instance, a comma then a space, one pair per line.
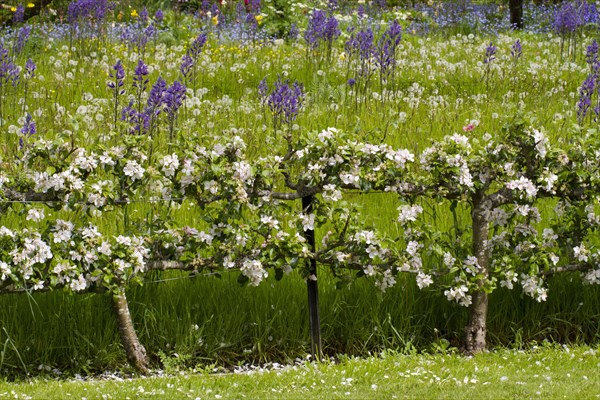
516, 13
136, 353
476, 329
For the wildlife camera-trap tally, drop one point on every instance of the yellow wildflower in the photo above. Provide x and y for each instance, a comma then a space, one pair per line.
30, 5
215, 20
134, 13
259, 18
13, 9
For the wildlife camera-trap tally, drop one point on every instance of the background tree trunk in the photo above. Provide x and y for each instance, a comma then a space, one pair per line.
136, 353
516, 13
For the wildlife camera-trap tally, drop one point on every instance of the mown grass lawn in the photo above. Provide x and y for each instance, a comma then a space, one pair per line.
547, 372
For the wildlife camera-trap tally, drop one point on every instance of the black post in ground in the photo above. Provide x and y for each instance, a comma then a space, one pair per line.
313, 288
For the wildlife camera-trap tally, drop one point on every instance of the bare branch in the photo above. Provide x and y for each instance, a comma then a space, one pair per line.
584, 267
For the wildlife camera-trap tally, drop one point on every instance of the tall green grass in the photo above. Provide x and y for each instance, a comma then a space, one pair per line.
201, 321
204, 320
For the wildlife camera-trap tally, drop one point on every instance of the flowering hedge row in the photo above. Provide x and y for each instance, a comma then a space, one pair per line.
507, 184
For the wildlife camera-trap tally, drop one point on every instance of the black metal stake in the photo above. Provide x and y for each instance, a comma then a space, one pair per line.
313, 288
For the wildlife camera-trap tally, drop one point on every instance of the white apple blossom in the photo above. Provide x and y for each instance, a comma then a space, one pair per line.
63, 231
409, 213
581, 253
331, 193
541, 142
35, 215
460, 295
170, 163
243, 171
134, 170
308, 221
211, 186
254, 270
400, 157
592, 277
423, 280
523, 184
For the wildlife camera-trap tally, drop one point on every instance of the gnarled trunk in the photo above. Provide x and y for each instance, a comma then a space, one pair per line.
476, 329
136, 353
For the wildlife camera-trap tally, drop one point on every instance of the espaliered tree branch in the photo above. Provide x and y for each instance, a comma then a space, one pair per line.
498, 180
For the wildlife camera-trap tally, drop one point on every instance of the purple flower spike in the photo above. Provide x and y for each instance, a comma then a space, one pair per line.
118, 74
159, 16
187, 63
490, 53
29, 127
19, 15
156, 95
173, 98
197, 45
139, 76
516, 50
30, 68
285, 101
592, 53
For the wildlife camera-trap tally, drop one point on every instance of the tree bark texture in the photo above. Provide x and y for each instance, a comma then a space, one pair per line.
136, 353
516, 13
476, 329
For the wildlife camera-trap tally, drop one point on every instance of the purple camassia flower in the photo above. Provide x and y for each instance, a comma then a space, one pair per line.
144, 15
155, 96
19, 15
591, 56
315, 29
197, 45
173, 97
567, 18
30, 68
187, 63
490, 53
331, 29
140, 82
159, 16
263, 90
285, 101
361, 44
516, 50
22, 36
149, 33
9, 72
293, 34
332, 5
140, 122
385, 54
585, 97
88, 9
205, 7
321, 29
28, 129
118, 74
172, 100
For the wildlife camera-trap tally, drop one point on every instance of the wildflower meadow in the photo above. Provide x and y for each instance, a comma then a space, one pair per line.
176, 176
